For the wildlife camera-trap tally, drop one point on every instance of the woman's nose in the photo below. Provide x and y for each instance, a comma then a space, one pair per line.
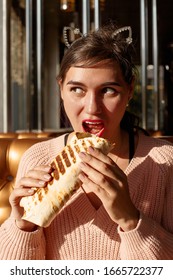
92, 103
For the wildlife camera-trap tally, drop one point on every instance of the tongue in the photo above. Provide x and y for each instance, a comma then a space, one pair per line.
93, 128
94, 131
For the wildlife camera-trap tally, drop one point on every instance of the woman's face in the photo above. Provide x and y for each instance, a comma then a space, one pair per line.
95, 99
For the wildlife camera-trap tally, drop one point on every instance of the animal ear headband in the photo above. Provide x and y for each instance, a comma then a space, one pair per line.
76, 31
123, 29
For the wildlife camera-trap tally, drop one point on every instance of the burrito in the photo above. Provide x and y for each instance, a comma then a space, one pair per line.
43, 206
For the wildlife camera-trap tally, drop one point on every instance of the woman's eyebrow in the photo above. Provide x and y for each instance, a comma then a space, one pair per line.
71, 82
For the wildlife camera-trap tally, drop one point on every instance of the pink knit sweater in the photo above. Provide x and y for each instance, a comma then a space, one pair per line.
81, 232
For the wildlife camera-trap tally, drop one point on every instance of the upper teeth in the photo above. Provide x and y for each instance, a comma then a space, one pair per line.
92, 122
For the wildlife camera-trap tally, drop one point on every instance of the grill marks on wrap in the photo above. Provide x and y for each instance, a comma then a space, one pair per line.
42, 207
71, 154
68, 157
60, 164
55, 172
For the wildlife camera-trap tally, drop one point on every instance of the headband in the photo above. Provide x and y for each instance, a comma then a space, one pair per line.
76, 31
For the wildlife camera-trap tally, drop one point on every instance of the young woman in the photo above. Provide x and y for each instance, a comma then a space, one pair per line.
124, 208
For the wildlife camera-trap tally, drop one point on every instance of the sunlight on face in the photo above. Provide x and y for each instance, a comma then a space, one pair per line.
95, 98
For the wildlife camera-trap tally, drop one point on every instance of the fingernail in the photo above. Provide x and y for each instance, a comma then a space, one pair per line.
82, 154
30, 191
47, 177
91, 149
47, 168
41, 183
82, 164
82, 176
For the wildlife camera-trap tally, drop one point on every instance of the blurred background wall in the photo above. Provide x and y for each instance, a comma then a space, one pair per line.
32, 46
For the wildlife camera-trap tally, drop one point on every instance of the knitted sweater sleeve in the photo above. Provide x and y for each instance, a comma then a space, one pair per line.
15, 243
152, 239
149, 241
20, 245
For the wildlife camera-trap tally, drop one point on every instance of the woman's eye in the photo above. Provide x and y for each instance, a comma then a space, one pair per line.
108, 90
77, 90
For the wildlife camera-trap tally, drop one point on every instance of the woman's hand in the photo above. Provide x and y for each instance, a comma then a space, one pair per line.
101, 174
35, 178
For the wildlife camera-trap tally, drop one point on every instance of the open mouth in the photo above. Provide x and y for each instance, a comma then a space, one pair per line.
93, 126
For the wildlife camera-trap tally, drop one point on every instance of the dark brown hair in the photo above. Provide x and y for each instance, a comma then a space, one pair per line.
101, 45
98, 46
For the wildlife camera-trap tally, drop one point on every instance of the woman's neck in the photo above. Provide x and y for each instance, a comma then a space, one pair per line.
120, 153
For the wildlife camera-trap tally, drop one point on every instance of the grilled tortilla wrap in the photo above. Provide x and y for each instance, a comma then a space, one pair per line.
42, 207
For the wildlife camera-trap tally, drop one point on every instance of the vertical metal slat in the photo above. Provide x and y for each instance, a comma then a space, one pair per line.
29, 44
39, 62
85, 16
144, 57
155, 64
6, 64
96, 14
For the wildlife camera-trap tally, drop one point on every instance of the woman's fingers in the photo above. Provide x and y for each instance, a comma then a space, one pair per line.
100, 174
26, 186
99, 155
18, 193
98, 161
37, 177
93, 175
101, 170
100, 191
